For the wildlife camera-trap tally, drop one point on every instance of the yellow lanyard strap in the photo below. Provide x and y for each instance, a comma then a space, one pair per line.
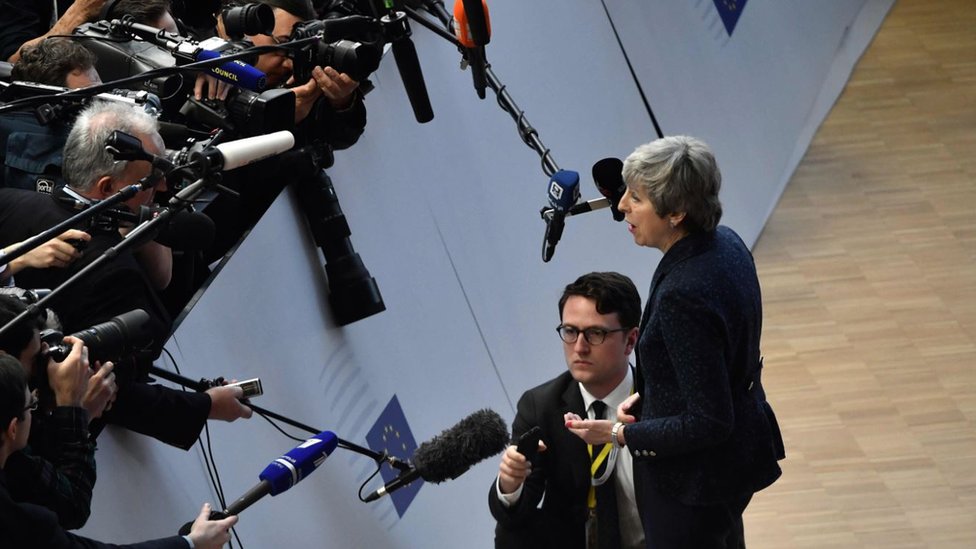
594, 467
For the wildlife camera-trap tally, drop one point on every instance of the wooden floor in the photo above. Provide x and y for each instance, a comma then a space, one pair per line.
868, 267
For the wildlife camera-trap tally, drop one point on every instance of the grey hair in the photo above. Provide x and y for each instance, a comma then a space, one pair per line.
85, 157
679, 174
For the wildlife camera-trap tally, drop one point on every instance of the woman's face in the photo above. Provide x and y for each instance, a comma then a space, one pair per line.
649, 229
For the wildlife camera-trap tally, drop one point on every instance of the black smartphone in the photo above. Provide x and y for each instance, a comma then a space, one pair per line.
528, 443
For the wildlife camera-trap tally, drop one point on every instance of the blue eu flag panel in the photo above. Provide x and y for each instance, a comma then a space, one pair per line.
391, 434
729, 11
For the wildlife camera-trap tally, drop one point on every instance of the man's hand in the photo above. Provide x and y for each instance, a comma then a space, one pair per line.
211, 534
514, 469
101, 390
69, 379
337, 87
226, 405
57, 252
215, 88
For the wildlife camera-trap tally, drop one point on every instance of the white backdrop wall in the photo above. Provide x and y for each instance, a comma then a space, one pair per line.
445, 216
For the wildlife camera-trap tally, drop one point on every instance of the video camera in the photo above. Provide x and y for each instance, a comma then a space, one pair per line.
125, 49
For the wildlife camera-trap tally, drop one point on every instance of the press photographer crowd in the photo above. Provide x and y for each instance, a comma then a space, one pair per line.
140, 140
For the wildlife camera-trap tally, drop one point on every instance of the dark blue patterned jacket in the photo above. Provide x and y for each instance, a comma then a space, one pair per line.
706, 433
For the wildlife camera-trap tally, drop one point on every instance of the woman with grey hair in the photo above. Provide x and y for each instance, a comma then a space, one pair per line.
706, 440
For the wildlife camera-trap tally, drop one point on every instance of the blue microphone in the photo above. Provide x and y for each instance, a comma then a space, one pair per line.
286, 471
563, 194
237, 73
281, 474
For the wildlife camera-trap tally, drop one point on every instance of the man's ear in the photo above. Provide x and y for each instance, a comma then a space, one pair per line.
9, 432
104, 186
632, 339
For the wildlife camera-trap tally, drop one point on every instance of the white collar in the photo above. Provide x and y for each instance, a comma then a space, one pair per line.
614, 398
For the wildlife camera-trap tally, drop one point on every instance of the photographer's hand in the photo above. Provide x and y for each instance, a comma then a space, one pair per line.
305, 96
69, 379
101, 390
216, 89
338, 87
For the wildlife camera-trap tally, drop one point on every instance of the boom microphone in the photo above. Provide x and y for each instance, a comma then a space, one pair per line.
608, 176
235, 72
408, 65
563, 194
451, 453
241, 152
473, 30
281, 474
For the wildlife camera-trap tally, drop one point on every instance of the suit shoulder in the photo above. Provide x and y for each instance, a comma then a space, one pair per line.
548, 390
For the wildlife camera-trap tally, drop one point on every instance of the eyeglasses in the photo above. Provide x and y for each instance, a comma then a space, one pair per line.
34, 401
593, 336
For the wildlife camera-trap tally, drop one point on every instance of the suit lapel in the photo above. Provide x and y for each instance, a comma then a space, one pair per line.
580, 459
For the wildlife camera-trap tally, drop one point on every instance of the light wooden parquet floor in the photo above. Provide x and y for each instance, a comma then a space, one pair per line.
868, 267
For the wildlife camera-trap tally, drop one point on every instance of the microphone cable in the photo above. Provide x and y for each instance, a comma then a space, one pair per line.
209, 459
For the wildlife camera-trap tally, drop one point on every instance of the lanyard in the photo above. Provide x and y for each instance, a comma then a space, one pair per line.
607, 450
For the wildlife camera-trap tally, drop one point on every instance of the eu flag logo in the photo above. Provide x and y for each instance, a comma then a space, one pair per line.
391, 434
729, 11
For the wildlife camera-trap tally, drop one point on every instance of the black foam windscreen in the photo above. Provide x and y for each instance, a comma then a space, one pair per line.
609, 179
448, 455
188, 231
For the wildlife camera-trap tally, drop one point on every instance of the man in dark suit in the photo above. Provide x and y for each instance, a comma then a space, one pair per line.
551, 502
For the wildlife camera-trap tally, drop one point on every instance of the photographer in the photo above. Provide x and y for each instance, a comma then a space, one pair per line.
328, 106
57, 468
23, 524
56, 62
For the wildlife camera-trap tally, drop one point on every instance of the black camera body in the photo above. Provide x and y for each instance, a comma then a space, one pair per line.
358, 59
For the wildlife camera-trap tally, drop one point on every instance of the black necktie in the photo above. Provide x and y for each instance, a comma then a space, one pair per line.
607, 521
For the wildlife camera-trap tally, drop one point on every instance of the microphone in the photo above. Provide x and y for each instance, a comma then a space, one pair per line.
235, 72
473, 30
563, 194
241, 152
408, 65
281, 474
609, 180
450, 454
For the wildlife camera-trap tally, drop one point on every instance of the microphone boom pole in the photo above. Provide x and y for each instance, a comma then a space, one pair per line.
84, 215
204, 384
